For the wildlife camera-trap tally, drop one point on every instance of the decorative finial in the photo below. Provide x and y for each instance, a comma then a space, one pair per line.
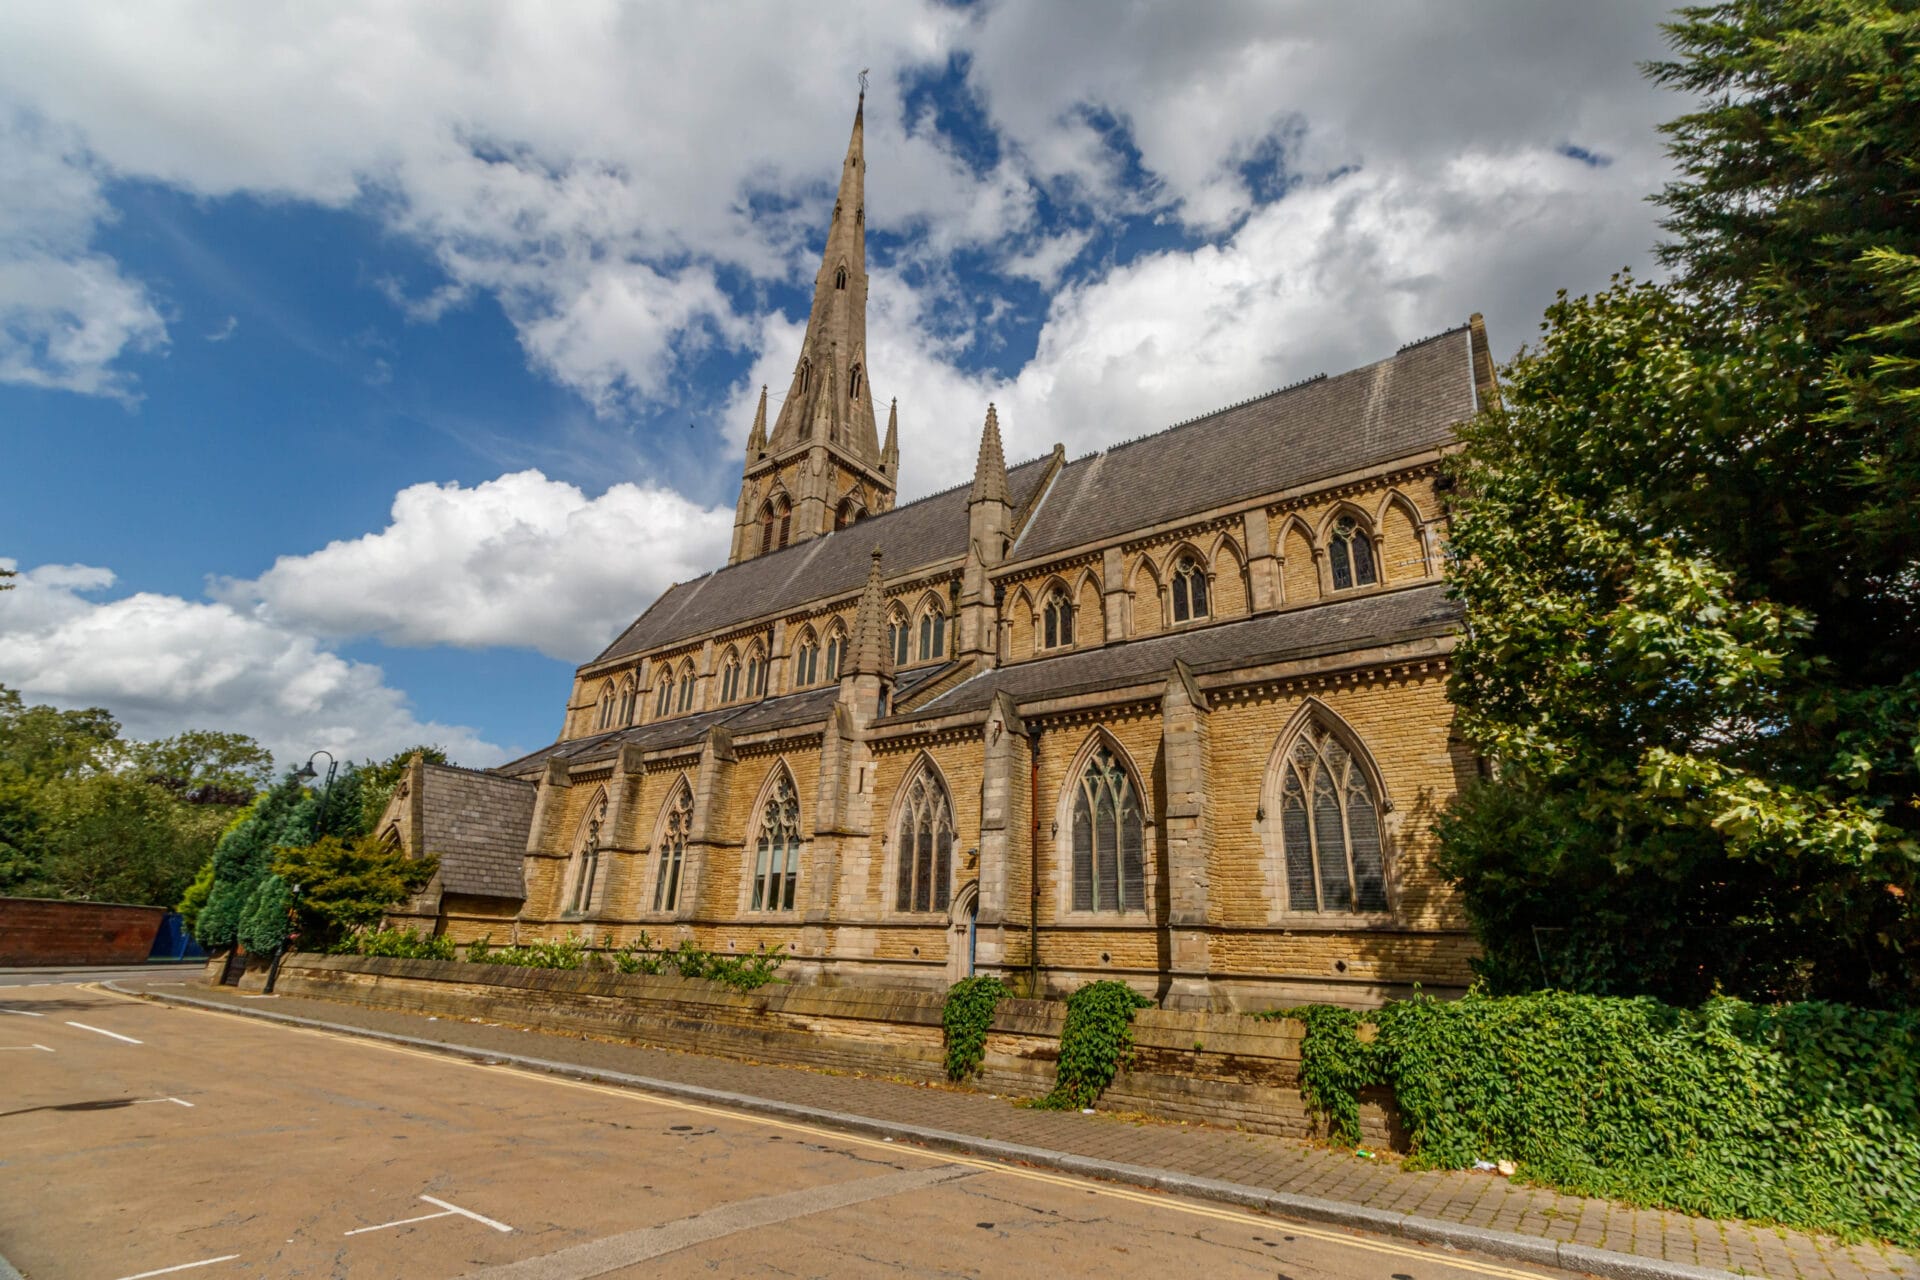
863, 82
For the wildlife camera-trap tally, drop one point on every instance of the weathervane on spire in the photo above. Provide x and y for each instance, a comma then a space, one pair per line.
863, 82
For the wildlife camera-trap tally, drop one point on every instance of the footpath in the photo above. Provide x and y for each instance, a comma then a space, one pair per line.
1289, 1178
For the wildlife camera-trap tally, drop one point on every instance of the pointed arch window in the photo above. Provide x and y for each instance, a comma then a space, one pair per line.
629, 700
1057, 620
776, 520
924, 845
1189, 590
673, 849
587, 858
806, 374
1350, 553
836, 647
1109, 864
933, 634
663, 701
840, 278
853, 383
897, 637
756, 677
607, 706
1330, 829
776, 853
686, 686
806, 661
729, 677
849, 511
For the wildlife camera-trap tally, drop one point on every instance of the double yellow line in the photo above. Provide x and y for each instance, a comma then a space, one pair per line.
633, 1093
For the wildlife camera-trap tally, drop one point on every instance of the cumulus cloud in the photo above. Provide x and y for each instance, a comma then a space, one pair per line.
163, 664
67, 314
521, 561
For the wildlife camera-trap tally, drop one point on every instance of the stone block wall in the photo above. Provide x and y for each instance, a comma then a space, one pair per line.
1217, 1068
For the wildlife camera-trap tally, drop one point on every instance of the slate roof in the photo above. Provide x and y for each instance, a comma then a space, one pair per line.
1393, 408
477, 823
1405, 404
1335, 627
910, 537
810, 706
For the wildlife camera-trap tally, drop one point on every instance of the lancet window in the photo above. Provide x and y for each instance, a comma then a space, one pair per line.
1189, 590
1056, 623
1350, 554
776, 855
836, 647
806, 661
686, 687
933, 634
897, 637
1330, 829
729, 677
924, 844
587, 859
673, 849
1109, 864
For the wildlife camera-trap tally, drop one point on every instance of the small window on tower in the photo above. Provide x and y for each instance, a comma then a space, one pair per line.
840, 278
853, 383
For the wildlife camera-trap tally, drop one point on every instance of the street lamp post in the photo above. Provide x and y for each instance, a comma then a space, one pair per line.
306, 773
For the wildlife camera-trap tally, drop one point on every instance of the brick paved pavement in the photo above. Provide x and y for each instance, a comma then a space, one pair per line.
1259, 1160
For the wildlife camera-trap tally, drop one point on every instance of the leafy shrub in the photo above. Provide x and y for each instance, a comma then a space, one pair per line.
966, 1015
1804, 1114
404, 944
1096, 1042
566, 953
1335, 1064
266, 920
349, 884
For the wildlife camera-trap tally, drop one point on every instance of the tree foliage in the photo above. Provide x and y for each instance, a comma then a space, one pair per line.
347, 885
1686, 546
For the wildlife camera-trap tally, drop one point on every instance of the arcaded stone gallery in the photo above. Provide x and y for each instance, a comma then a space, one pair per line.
1173, 713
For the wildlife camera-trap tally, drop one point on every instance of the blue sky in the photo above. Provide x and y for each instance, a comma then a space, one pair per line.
363, 369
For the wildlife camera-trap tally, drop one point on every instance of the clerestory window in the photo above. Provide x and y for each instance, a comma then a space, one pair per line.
1350, 553
1057, 621
1189, 590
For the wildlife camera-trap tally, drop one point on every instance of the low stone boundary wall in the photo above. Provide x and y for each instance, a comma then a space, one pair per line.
44, 931
1224, 1069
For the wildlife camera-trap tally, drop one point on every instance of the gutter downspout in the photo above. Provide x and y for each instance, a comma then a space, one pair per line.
1033, 864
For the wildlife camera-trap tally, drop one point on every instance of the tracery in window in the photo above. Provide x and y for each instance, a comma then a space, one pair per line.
686, 686
756, 677
776, 859
606, 706
1350, 553
663, 702
933, 634
924, 846
587, 857
776, 522
806, 661
629, 700
1108, 862
673, 848
1057, 620
729, 677
897, 637
836, 646
840, 278
1189, 590
1330, 829
849, 511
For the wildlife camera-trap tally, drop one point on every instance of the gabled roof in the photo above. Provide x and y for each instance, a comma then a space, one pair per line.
913, 536
1336, 626
477, 823
1393, 408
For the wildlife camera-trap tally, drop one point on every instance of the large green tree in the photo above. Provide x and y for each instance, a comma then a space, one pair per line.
1686, 544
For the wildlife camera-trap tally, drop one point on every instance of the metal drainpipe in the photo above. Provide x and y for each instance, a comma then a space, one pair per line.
1033, 864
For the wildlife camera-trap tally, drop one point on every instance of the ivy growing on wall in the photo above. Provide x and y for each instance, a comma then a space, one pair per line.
1804, 1114
966, 1015
1095, 1043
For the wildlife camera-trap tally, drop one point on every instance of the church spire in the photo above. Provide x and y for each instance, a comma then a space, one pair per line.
822, 454
890, 451
868, 651
757, 438
990, 471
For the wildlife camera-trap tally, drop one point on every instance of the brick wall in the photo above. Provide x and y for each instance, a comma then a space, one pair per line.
37, 931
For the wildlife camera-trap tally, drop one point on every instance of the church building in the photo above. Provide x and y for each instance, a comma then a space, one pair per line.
1174, 712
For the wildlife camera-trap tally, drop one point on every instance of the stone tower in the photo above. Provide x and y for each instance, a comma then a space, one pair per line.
822, 465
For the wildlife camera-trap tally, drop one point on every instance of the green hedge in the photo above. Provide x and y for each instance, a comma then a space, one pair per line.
1803, 1114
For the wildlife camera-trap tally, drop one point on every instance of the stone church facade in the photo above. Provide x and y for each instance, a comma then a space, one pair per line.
1172, 713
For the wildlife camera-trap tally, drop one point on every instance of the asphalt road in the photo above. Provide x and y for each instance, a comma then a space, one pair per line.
65, 977
139, 1140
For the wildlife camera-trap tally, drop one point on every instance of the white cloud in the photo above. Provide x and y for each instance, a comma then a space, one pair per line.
228, 327
162, 664
67, 314
522, 560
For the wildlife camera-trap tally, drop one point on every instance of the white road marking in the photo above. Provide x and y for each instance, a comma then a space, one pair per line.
446, 1211
178, 1102
185, 1266
102, 1031
23, 1048
25, 1013
468, 1213
398, 1222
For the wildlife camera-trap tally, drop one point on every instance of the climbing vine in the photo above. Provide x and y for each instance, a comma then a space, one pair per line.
1804, 1114
966, 1016
1095, 1043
